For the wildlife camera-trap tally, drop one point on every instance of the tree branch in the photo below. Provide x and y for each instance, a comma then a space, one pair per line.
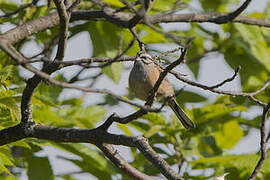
94, 136
120, 18
250, 95
86, 62
64, 17
121, 163
236, 71
152, 156
263, 143
163, 74
230, 16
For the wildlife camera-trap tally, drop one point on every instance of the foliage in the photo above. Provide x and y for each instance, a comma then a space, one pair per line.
220, 124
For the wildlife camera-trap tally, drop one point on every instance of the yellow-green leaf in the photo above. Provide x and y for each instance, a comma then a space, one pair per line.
229, 135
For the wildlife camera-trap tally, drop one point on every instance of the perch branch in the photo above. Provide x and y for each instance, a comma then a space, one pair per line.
263, 150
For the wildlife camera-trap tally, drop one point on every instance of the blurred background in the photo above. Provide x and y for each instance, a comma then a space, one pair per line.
227, 136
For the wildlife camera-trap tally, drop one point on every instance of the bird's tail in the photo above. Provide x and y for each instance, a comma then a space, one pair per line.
182, 116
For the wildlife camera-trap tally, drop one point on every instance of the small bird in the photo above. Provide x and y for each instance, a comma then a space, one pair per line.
142, 79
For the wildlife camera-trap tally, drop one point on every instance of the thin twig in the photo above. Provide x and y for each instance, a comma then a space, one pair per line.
120, 43
174, 37
262, 143
230, 16
86, 61
48, 48
117, 58
164, 54
135, 35
250, 95
236, 71
34, 2
64, 17
163, 74
126, 7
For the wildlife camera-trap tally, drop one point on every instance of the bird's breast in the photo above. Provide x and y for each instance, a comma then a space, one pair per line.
139, 80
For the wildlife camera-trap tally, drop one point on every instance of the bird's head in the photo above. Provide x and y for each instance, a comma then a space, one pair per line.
144, 57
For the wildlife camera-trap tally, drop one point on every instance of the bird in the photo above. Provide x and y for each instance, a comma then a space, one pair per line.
142, 79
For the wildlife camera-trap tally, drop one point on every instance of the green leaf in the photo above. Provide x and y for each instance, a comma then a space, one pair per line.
188, 96
153, 130
6, 157
72, 101
49, 94
125, 129
115, 3
243, 163
140, 126
40, 11
109, 100
21, 143
8, 6
86, 117
208, 146
214, 111
155, 118
83, 117
45, 115
6, 75
149, 35
237, 53
10, 104
4, 169
212, 5
46, 35
91, 162
114, 71
105, 37
197, 48
229, 135
161, 6
257, 44
39, 168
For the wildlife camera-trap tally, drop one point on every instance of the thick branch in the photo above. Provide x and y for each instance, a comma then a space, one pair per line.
205, 17
152, 156
32, 27
56, 134
94, 136
121, 163
121, 19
